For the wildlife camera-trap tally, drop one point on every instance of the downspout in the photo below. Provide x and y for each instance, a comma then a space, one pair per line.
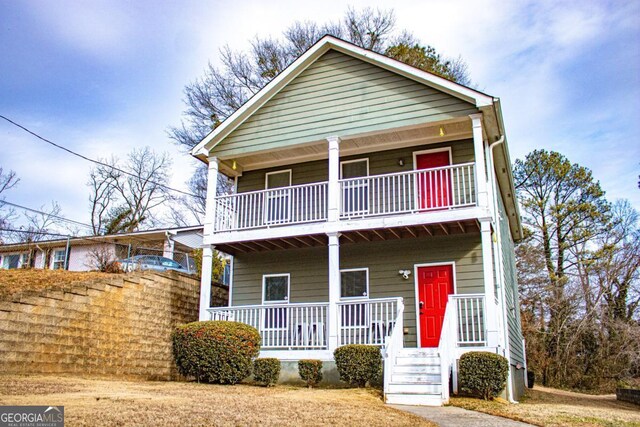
501, 288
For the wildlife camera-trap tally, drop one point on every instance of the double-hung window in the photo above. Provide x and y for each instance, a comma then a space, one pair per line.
355, 187
11, 261
58, 259
277, 201
354, 285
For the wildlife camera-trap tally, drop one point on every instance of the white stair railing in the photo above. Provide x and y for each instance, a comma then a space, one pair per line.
367, 321
393, 343
447, 349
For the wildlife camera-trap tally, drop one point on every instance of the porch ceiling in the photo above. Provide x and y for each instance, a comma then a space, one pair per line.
356, 236
428, 133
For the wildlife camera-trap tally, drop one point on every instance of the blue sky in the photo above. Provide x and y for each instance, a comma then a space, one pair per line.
103, 77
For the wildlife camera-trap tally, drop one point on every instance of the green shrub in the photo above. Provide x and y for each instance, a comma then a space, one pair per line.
483, 374
266, 371
215, 351
310, 371
358, 364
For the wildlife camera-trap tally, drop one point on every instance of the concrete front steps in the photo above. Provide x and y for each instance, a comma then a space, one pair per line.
415, 378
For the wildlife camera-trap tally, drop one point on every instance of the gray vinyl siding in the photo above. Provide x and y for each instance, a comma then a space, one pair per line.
510, 282
340, 95
309, 270
380, 162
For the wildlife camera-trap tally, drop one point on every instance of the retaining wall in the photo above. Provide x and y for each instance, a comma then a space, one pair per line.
117, 327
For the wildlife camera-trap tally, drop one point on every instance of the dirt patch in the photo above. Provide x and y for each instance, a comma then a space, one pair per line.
20, 280
544, 406
90, 402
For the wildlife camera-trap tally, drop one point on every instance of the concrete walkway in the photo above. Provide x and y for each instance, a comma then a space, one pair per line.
451, 416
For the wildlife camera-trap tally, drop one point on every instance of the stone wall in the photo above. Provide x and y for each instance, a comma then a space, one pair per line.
116, 327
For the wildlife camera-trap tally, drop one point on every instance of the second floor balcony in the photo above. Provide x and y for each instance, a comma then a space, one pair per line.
402, 193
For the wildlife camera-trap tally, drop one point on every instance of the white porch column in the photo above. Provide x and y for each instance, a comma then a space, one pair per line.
333, 191
479, 154
491, 314
207, 250
334, 290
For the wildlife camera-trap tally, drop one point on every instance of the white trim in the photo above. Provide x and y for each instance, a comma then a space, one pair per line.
286, 301
363, 297
477, 98
266, 178
53, 259
427, 218
344, 162
417, 298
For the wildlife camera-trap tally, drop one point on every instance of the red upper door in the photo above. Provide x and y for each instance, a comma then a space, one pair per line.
435, 283
433, 185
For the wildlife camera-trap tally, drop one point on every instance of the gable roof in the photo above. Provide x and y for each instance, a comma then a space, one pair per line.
325, 44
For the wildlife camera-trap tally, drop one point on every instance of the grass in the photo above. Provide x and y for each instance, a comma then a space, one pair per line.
19, 280
90, 402
544, 406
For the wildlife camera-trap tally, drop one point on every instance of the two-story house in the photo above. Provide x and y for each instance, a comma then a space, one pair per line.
374, 203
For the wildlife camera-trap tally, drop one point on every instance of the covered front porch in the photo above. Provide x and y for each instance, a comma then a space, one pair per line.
303, 326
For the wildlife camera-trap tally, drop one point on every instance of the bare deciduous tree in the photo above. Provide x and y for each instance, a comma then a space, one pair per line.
123, 202
8, 180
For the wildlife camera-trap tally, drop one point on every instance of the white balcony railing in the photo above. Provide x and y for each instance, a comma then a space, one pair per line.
284, 326
396, 193
409, 192
286, 205
367, 321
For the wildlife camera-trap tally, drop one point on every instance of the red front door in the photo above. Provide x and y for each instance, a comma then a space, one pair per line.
434, 286
433, 185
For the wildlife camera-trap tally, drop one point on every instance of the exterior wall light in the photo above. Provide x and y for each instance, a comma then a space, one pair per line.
400, 162
405, 273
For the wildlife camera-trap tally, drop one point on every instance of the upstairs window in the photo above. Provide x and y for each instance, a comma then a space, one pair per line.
355, 192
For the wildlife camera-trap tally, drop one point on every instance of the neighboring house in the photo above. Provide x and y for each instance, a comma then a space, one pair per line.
374, 204
79, 253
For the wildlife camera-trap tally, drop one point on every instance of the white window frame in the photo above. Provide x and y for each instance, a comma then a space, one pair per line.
53, 259
5, 265
264, 288
286, 215
362, 297
364, 185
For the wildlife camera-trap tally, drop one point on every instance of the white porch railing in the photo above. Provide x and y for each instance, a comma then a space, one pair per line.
463, 326
277, 206
367, 321
471, 327
285, 326
409, 192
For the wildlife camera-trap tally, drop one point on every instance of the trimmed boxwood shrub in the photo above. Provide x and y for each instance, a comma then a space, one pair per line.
310, 371
215, 351
266, 371
358, 363
483, 374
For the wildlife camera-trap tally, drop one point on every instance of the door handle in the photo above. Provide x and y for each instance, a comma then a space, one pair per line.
421, 305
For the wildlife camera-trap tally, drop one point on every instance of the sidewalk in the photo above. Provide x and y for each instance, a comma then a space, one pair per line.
451, 416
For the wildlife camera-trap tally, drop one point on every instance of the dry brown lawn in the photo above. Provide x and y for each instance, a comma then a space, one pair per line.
90, 402
551, 407
18, 280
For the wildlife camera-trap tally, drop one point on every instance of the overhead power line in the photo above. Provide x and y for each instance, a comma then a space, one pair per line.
186, 193
61, 218
14, 230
